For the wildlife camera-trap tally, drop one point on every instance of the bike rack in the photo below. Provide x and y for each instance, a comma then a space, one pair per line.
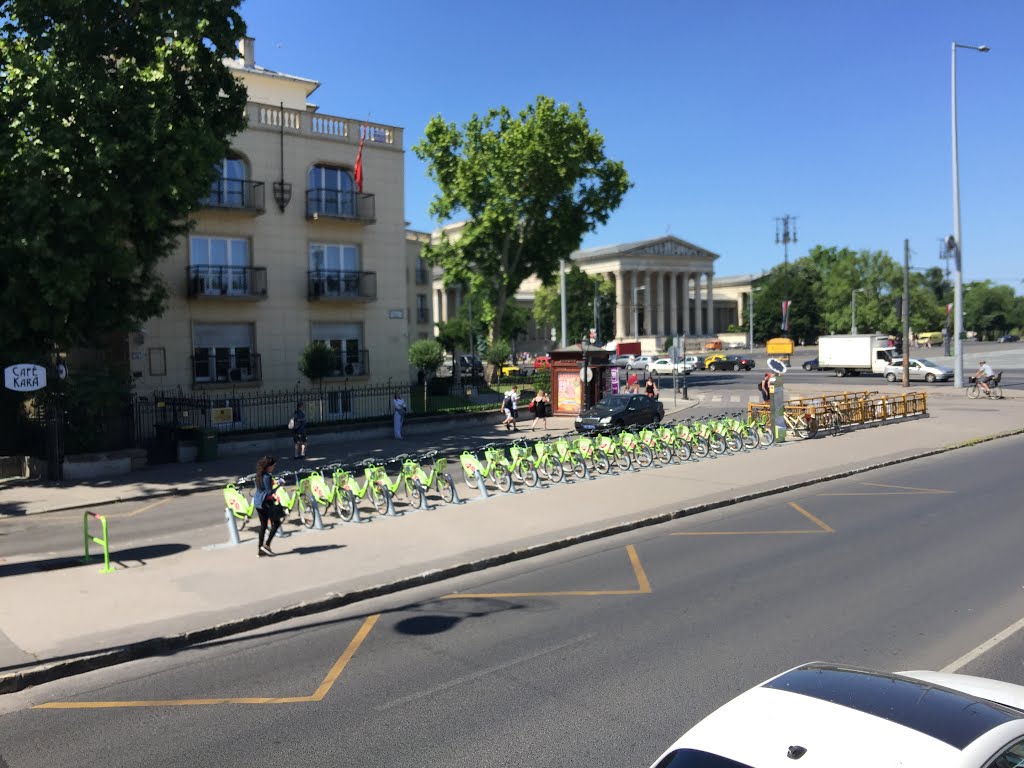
455, 493
424, 504
390, 508
482, 485
233, 537
103, 542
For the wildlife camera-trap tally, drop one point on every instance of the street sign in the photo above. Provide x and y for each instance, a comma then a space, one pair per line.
777, 366
586, 374
24, 377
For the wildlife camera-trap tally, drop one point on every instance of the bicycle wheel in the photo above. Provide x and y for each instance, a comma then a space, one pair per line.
503, 478
733, 442
750, 439
575, 465
643, 455
553, 469
812, 427
446, 487
243, 520
307, 509
973, 391
528, 473
717, 445
623, 460
470, 478
601, 462
416, 493
700, 447
997, 392
766, 436
345, 505
683, 450
664, 453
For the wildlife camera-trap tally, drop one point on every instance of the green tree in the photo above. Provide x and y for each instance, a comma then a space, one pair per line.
801, 288
580, 289
989, 309
114, 115
531, 185
497, 354
317, 361
426, 356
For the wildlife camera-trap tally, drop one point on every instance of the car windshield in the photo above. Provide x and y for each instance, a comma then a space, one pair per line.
696, 758
614, 401
927, 363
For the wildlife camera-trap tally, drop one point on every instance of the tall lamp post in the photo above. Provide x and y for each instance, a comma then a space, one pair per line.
853, 309
958, 319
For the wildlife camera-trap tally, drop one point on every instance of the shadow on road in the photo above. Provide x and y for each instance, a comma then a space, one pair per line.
134, 556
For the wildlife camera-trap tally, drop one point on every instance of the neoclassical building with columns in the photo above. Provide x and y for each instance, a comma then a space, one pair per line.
663, 288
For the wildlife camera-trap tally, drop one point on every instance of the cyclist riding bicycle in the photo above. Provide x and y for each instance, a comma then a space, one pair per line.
984, 375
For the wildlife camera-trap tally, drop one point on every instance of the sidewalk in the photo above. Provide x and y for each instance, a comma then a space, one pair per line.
156, 604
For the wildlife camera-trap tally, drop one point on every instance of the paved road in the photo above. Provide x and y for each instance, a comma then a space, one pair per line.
594, 656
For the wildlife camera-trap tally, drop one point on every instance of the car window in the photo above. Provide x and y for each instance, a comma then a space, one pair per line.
1013, 757
696, 758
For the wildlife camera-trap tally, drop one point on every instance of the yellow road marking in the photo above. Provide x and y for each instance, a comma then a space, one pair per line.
146, 508
822, 528
332, 676
895, 490
643, 586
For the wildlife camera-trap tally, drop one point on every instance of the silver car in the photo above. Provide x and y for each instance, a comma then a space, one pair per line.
920, 370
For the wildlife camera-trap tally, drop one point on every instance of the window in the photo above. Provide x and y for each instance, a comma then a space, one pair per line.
346, 339
331, 191
334, 269
228, 189
422, 309
1013, 757
219, 265
223, 352
422, 272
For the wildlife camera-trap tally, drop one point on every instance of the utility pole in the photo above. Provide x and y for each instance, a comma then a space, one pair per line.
750, 308
561, 283
906, 313
946, 253
785, 236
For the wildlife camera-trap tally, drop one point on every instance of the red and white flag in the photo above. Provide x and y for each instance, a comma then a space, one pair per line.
359, 159
785, 314
949, 308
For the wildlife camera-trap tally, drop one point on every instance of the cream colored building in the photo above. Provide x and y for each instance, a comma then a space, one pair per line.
286, 251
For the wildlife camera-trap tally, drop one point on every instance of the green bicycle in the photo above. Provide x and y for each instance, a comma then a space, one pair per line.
640, 452
689, 434
547, 463
235, 501
612, 446
521, 465
349, 483
493, 467
568, 456
668, 435
761, 422
588, 451
386, 489
747, 435
650, 438
438, 477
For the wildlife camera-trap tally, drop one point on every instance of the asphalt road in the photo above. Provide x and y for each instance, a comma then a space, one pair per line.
599, 655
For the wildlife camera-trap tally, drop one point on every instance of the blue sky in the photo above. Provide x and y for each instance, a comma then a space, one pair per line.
727, 114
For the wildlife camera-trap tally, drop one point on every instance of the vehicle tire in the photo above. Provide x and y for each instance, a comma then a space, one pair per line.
471, 480
503, 478
891, 377
766, 436
345, 506
717, 445
664, 454
735, 366
700, 447
307, 510
973, 391
529, 474
807, 366
242, 521
749, 438
623, 460
733, 442
554, 470
996, 392
601, 462
643, 456
446, 487
683, 450
812, 427
416, 494
930, 378
575, 468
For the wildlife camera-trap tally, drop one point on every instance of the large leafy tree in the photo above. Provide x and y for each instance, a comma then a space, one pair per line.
580, 292
114, 114
989, 309
531, 186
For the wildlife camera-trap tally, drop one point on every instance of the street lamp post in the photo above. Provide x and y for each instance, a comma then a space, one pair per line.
853, 309
958, 320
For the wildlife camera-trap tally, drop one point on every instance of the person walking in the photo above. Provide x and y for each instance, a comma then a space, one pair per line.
509, 406
270, 511
765, 387
650, 388
298, 427
400, 409
540, 405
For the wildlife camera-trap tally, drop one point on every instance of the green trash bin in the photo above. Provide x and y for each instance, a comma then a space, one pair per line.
206, 450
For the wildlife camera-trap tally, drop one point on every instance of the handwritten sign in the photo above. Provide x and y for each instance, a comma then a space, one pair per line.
24, 377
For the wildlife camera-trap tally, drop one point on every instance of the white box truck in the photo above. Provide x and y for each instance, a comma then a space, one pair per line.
850, 354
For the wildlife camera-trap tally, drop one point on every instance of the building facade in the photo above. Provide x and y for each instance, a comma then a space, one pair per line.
286, 250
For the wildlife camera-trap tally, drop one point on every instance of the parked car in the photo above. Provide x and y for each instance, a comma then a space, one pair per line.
810, 365
469, 365
621, 410
920, 370
639, 363
694, 362
541, 361
914, 718
1008, 338
713, 344
664, 366
728, 363
510, 369
621, 361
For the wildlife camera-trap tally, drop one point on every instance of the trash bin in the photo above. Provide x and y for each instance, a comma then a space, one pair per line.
206, 450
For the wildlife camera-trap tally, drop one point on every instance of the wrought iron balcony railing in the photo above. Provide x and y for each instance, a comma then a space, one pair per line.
230, 282
356, 206
236, 194
339, 284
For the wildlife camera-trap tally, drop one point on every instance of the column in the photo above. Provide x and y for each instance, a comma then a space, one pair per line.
711, 305
648, 302
686, 302
698, 306
621, 306
673, 304
436, 297
654, 328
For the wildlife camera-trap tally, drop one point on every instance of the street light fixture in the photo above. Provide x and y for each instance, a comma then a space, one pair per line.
957, 243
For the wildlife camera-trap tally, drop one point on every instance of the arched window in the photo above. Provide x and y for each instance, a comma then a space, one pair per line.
331, 191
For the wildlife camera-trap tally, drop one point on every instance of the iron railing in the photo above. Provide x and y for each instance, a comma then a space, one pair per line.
332, 203
232, 367
339, 284
237, 194
232, 282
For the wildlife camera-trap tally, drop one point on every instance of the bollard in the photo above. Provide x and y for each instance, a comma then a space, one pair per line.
353, 503
103, 542
233, 537
390, 509
481, 485
424, 504
455, 493
318, 523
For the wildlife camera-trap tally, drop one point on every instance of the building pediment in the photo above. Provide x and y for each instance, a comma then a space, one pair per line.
667, 246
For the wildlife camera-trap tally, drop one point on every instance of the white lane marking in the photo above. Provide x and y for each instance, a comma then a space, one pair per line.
716, 399
985, 647
484, 672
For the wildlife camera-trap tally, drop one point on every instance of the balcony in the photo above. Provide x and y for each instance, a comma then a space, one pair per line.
240, 367
339, 285
332, 204
227, 282
236, 195
352, 363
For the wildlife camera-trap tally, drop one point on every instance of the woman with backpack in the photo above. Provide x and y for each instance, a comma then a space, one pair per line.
270, 512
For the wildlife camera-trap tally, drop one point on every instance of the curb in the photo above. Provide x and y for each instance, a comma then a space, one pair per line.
17, 681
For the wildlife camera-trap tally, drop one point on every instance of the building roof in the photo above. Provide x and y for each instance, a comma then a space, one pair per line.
585, 254
728, 280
